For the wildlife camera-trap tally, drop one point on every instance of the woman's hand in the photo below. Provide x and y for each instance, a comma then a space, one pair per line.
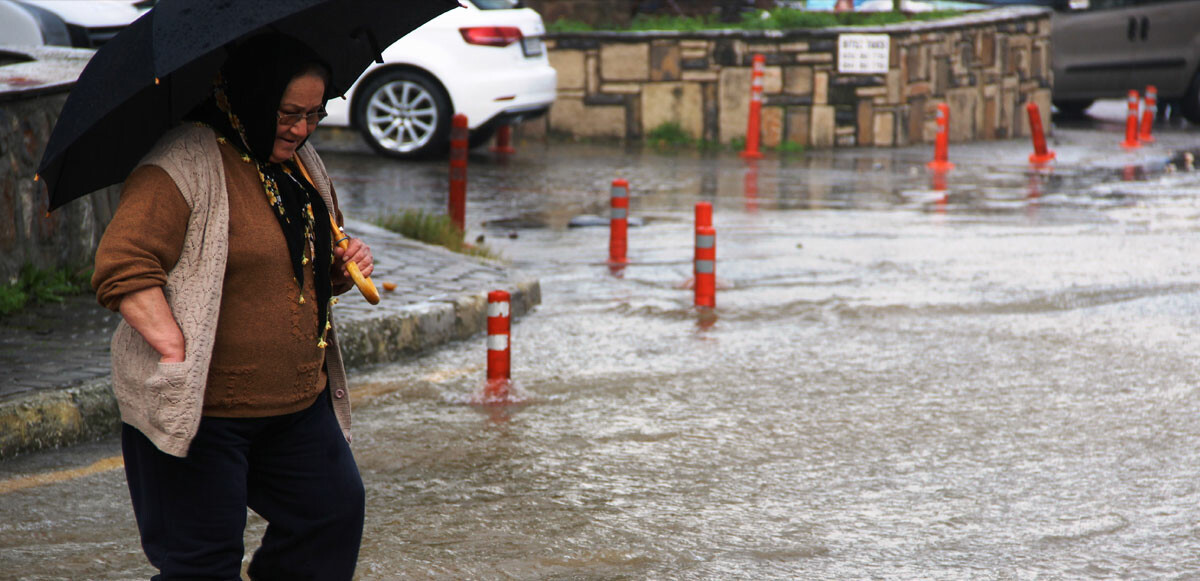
359, 253
147, 312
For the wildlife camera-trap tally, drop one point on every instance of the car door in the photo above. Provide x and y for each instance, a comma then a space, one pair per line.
1168, 41
1094, 48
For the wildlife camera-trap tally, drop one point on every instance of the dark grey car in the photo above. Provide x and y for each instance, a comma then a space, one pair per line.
1104, 48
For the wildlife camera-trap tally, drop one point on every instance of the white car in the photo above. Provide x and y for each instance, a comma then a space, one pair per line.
485, 60
77, 23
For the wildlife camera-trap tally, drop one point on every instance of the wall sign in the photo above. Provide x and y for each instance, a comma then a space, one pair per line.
863, 53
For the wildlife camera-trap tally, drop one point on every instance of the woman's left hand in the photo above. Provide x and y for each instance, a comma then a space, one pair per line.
356, 251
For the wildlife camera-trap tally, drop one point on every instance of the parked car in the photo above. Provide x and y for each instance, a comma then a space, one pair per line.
1104, 48
485, 60
76, 23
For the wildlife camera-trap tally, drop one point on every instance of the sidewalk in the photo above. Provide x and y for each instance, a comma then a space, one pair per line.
56, 388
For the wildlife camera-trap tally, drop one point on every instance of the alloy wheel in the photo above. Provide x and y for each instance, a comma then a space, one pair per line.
402, 116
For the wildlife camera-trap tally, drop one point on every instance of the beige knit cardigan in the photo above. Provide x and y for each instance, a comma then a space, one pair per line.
166, 400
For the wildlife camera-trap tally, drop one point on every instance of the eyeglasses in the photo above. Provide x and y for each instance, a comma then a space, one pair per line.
292, 119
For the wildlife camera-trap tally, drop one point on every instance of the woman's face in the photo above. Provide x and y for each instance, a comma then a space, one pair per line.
303, 95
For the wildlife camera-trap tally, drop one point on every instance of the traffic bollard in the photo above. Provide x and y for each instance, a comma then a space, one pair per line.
499, 356
1131, 123
618, 230
1149, 112
941, 147
458, 172
754, 123
1041, 155
705, 267
504, 140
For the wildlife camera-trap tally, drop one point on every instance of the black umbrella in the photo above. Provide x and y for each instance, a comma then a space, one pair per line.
144, 80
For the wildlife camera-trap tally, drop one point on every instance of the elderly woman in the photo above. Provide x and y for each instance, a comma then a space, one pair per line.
226, 366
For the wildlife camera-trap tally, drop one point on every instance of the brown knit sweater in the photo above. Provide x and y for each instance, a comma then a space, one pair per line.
265, 361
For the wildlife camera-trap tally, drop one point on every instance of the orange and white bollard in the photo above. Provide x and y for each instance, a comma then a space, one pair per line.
941, 146
504, 140
1149, 112
499, 355
618, 230
704, 214
705, 267
1041, 155
754, 124
1131, 123
458, 172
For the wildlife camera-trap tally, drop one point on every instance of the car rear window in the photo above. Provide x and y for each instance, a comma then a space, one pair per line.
494, 4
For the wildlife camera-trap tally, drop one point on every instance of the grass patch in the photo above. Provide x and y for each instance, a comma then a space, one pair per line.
670, 135
433, 229
789, 146
37, 286
778, 19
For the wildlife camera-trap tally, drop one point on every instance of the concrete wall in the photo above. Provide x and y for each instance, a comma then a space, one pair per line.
32, 93
986, 66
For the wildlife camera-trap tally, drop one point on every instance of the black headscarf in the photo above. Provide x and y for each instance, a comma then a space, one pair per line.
243, 110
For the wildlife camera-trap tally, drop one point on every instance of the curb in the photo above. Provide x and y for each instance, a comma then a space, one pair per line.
56, 418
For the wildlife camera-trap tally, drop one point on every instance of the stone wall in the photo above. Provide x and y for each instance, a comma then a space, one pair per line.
32, 93
986, 66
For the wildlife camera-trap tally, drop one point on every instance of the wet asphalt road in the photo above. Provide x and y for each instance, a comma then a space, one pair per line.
988, 377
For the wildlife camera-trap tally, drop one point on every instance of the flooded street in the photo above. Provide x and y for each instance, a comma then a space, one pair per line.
998, 379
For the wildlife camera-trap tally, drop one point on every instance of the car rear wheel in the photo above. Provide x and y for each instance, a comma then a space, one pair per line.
404, 114
1191, 102
1074, 108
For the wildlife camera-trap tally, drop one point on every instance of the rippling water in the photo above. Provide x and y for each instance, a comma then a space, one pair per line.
996, 385
998, 380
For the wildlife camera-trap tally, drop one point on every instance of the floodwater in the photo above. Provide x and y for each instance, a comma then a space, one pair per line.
997, 377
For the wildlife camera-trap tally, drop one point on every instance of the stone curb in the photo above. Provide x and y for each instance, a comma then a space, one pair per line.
53, 418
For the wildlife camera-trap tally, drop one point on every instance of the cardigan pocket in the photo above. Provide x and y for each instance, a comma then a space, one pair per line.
167, 388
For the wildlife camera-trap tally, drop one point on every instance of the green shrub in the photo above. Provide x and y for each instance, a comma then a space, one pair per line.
566, 25
432, 229
777, 19
669, 134
42, 286
789, 147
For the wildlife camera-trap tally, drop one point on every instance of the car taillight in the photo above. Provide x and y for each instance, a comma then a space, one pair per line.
491, 35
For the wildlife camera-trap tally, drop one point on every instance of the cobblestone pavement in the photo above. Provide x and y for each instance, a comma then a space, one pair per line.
55, 356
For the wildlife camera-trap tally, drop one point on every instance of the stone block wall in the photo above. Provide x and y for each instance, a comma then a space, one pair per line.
30, 101
986, 66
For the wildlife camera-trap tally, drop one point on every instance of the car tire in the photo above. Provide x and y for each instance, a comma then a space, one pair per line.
404, 114
1191, 101
1073, 109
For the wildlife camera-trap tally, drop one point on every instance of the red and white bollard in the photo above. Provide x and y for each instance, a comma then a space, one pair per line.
704, 214
1149, 112
458, 172
618, 230
754, 124
941, 146
499, 358
1131, 123
1041, 155
504, 140
705, 266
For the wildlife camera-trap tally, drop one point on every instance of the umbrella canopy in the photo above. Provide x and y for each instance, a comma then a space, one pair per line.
144, 80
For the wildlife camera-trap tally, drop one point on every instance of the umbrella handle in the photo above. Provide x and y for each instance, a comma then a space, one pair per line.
364, 284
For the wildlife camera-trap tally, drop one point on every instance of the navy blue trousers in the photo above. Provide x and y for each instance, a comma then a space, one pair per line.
295, 470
